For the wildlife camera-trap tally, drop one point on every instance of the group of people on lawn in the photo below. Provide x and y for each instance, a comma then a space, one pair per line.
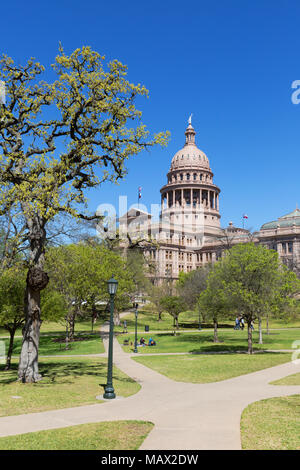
240, 323
151, 342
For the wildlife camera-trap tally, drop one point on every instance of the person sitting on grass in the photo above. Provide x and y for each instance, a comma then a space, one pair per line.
142, 342
151, 342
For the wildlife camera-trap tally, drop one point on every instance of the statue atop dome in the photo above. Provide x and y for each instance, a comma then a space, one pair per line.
190, 119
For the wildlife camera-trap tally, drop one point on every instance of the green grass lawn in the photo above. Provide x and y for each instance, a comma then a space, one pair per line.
117, 435
293, 379
202, 341
59, 328
272, 424
188, 320
51, 345
66, 382
211, 368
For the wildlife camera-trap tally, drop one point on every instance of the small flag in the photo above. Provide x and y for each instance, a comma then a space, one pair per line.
140, 192
245, 216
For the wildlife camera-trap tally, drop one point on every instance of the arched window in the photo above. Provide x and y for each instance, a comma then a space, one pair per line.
181, 176
201, 176
188, 176
195, 176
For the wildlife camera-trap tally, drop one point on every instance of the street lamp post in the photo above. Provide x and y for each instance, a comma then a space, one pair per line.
135, 305
109, 389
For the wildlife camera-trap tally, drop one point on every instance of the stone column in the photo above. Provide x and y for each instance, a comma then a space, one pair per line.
175, 264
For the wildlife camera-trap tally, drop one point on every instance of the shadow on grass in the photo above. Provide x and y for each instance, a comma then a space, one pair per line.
204, 342
63, 372
204, 326
55, 344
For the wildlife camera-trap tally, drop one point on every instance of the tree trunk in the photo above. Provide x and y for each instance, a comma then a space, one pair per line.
94, 316
260, 341
36, 281
28, 365
159, 316
67, 336
268, 324
250, 347
117, 320
72, 326
216, 339
175, 325
10, 348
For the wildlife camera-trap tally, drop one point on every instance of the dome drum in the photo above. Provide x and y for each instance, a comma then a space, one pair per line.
190, 184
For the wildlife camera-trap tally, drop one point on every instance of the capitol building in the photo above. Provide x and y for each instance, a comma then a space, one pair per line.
188, 232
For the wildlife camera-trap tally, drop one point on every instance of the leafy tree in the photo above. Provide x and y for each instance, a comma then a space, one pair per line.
191, 284
156, 293
12, 315
174, 305
136, 265
56, 140
213, 300
284, 304
79, 273
55, 308
250, 276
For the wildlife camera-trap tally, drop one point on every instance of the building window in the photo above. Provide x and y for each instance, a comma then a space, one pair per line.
168, 271
195, 176
181, 176
188, 176
290, 247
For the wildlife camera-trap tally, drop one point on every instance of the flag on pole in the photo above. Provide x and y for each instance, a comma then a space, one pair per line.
245, 216
140, 192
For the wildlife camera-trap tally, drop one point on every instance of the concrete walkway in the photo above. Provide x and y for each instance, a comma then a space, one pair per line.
186, 416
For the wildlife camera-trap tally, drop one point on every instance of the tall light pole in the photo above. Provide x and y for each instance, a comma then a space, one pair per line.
109, 389
135, 306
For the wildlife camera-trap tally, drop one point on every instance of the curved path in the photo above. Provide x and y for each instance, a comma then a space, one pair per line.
186, 416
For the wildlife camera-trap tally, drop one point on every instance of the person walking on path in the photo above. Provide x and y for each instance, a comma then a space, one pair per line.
237, 323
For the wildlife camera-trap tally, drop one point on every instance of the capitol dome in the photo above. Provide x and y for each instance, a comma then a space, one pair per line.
189, 156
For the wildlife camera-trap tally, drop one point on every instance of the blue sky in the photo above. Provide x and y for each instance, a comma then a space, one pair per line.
229, 62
